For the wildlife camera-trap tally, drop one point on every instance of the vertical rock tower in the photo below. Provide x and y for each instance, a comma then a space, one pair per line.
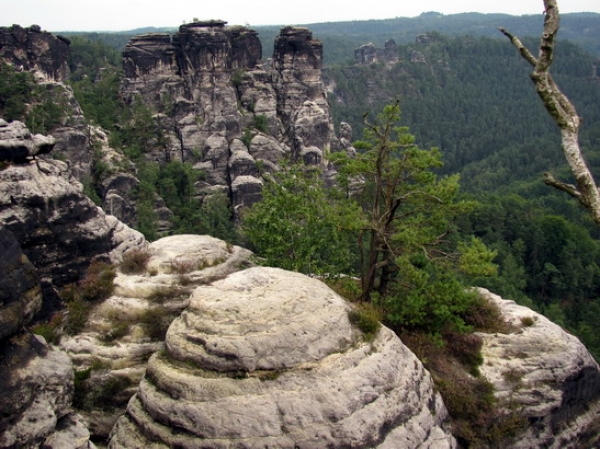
220, 108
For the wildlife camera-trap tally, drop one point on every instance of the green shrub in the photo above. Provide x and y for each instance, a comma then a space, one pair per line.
485, 316
261, 123
466, 348
156, 322
94, 393
98, 281
528, 321
95, 286
49, 330
119, 330
135, 261
367, 318
165, 294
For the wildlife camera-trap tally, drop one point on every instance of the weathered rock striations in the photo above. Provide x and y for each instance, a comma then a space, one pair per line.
546, 374
269, 358
123, 331
222, 110
17, 144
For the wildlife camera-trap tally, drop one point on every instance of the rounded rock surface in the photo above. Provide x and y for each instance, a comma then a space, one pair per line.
269, 358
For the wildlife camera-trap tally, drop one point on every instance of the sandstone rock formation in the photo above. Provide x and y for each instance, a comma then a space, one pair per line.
17, 144
221, 109
269, 358
548, 375
36, 385
35, 50
123, 331
74, 140
59, 229
369, 54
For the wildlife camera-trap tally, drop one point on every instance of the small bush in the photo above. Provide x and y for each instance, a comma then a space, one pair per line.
466, 348
182, 267
346, 287
485, 316
367, 318
156, 322
95, 286
261, 123
94, 393
51, 330
164, 294
98, 281
527, 321
118, 331
135, 261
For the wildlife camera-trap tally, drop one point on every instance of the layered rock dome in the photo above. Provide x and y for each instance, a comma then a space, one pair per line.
269, 358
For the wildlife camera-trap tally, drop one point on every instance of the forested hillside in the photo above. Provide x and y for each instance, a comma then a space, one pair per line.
472, 98
341, 38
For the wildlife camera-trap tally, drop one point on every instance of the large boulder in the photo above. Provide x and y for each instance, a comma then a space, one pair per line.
546, 374
269, 358
124, 330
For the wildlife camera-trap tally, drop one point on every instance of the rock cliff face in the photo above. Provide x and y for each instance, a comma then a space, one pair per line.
548, 375
222, 110
45, 56
369, 54
37, 380
35, 50
59, 229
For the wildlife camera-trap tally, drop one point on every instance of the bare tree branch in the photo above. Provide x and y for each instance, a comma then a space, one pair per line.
562, 111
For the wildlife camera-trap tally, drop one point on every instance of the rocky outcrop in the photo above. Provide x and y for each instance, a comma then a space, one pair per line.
546, 374
36, 51
369, 54
71, 138
59, 229
269, 358
36, 385
123, 331
17, 144
222, 110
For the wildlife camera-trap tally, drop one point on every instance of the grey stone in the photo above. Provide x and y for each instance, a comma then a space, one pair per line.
269, 358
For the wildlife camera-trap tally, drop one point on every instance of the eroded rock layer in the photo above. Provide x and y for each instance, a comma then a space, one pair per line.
269, 358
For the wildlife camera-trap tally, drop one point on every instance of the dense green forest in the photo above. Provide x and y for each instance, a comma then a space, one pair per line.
469, 96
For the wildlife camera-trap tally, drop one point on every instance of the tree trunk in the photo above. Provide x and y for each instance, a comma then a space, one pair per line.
562, 112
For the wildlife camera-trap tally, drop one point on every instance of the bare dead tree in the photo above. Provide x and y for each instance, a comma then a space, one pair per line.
562, 111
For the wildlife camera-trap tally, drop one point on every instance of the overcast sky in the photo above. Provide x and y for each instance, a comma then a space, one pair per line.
122, 15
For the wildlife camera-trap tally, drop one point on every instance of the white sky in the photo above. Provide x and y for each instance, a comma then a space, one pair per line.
122, 15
